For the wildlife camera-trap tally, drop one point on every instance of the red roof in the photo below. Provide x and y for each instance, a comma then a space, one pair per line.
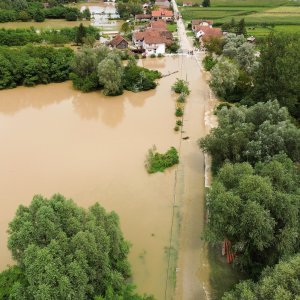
209, 32
143, 16
153, 36
138, 35
117, 40
159, 25
162, 13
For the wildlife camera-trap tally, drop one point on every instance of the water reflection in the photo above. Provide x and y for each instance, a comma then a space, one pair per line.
88, 106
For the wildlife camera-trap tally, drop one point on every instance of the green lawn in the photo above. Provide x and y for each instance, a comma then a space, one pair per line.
172, 27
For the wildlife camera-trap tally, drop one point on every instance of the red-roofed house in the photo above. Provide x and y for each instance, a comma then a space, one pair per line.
119, 42
158, 25
195, 23
205, 33
153, 41
162, 14
143, 17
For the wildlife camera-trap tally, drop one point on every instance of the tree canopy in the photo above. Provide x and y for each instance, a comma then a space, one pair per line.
258, 210
281, 282
66, 252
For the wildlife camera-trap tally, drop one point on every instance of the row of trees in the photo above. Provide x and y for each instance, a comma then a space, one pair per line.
254, 200
65, 252
21, 37
102, 68
248, 75
31, 65
36, 11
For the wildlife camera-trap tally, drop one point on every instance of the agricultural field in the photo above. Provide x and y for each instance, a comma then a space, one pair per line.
264, 15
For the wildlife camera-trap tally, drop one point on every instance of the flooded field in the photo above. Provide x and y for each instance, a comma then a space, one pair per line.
92, 148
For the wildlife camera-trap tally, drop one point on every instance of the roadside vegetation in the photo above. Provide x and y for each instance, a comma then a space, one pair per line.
157, 162
254, 199
61, 249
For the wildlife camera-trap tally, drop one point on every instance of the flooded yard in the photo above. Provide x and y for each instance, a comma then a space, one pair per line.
92, 148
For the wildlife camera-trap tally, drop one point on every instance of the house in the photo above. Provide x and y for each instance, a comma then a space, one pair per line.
143, 17
162, 3
158, 25
195, 23
185, 3
205, 33
251, 39
153, 41
162, 14
118, 42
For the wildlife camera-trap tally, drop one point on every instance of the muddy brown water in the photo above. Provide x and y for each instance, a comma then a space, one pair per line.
91, 148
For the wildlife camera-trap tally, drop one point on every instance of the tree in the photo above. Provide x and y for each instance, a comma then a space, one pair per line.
66, 251
277, 76
224, 76
39, 16
241, 27
24, 16
86, 14
80, 34
281, 282
252, 134
258, 215
110, 73
206, 3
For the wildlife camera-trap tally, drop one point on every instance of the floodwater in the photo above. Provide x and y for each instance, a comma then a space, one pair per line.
91, 148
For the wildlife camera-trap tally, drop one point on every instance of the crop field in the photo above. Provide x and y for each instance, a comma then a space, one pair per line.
255, 12
263, 31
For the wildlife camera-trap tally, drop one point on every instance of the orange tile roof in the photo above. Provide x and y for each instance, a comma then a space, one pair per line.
162, 13
198, 22
208, 31
117, 40
159, 24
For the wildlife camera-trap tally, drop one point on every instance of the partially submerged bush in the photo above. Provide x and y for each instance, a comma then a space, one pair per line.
209, 62
179, 112
181, 87
181, 98
157, 162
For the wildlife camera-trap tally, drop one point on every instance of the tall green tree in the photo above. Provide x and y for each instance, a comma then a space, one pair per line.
278, 74
281, 282
80, 34
206, 3
66, 252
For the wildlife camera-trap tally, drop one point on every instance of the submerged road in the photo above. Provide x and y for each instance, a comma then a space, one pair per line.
192, 276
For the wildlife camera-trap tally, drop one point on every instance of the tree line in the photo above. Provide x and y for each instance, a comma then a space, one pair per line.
102, 68
22, 10
244, 73
63, 251
254, 200
21, 37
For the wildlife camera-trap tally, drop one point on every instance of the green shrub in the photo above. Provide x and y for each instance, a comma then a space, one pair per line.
179, 122
160, 55
181, 86
209, 62
176, 128
152, 55
179, 112
157, 162
181, 98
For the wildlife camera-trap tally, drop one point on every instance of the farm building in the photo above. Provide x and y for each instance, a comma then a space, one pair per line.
118, 42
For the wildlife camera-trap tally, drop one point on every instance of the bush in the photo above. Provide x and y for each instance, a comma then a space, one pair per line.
157, 162
181, 86
209, 62
160, 55
152, 55
176, 128
179, 122
181, 98
179, 112
39, 16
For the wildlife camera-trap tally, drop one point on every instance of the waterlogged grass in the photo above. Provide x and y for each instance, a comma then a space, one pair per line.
222, 276
157, 162
48, 24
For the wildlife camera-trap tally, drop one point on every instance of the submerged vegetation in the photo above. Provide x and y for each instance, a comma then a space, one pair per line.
157, 162
102, 68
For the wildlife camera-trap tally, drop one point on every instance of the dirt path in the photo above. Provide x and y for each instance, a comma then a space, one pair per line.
192, 278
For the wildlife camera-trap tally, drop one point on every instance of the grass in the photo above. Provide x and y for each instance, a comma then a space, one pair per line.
223, 276
264, 31
157, 162
172, 27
